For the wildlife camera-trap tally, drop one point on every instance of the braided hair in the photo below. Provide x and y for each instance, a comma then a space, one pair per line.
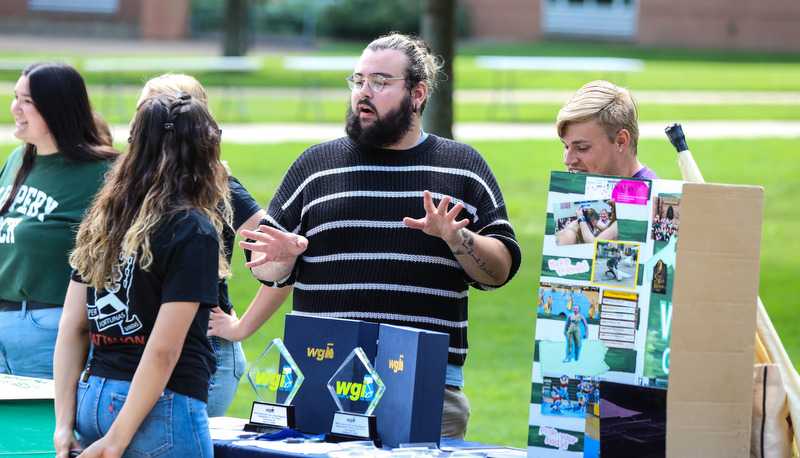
173, 165
423, 66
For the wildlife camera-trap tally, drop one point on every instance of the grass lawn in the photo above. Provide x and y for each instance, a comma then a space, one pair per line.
502, 322
665, 68
278, 111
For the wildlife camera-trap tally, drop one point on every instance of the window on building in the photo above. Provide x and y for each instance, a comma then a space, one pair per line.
590, 18
78, 6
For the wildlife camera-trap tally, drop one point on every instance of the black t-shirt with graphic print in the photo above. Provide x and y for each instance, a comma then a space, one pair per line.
184, 269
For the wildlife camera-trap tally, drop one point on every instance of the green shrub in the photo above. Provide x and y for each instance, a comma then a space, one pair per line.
366, 19
359, 20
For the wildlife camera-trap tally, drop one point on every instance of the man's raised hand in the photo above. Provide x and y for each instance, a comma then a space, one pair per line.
276, 246
438, 221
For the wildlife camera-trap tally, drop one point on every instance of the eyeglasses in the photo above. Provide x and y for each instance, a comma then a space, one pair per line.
376, 82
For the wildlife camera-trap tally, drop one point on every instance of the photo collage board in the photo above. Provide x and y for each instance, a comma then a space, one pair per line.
604, 301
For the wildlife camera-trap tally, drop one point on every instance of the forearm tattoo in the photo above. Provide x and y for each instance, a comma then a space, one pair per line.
467, 242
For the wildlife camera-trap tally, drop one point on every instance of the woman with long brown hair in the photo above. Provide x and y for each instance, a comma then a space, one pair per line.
147, 262
225, 330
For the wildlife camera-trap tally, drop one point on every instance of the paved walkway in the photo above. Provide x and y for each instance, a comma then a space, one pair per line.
275, 133
467, 132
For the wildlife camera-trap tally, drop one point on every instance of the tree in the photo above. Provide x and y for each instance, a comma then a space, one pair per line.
438, 29
234, 36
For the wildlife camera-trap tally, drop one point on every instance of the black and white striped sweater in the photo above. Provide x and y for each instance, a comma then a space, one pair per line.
362, 262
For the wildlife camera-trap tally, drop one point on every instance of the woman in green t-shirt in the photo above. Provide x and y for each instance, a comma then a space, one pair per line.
45, 186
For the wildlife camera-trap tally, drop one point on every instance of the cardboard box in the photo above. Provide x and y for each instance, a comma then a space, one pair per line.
319, 346
709, 402
412, 364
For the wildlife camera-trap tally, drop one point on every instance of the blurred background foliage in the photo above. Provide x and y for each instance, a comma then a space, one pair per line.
271, 20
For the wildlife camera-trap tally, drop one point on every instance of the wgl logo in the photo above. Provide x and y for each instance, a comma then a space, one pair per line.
321, 353
275, 382
396, 364
356, 391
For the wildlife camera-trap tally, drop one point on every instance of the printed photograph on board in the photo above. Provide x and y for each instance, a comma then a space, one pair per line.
567, 396
666, 218
584, 222
616, 264
559, 299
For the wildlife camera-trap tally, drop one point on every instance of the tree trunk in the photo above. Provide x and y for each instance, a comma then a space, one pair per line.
438, 29
235, 34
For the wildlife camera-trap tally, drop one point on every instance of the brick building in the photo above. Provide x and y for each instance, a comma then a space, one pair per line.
147, 19
721, 24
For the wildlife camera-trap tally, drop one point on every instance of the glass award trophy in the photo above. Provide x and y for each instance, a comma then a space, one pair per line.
275, 378
356, 388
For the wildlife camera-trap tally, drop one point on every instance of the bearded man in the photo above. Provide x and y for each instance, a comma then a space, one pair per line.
390, 224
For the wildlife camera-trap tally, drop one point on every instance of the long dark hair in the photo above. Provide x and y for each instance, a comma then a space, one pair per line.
59, 95
173, 165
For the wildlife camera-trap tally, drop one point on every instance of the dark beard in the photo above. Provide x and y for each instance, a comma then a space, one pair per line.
385, 130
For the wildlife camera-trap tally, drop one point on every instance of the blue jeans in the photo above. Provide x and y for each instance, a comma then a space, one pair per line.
230, 367
27, 339
177, 426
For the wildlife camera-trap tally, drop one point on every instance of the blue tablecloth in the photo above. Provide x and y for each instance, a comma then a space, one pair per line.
226, 449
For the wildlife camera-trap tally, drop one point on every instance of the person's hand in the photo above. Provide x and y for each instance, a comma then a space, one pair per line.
611, 203
277, 246
220, 324
437, 221
580, 214
65, 442
102, 448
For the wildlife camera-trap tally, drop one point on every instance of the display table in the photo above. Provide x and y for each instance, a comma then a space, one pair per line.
227, 444
236, 449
